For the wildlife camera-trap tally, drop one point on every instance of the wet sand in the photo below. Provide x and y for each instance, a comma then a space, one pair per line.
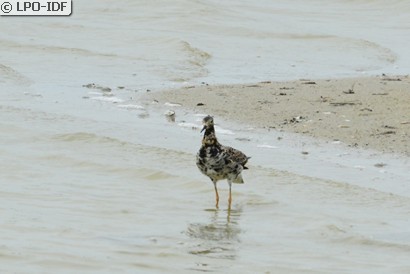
367, 112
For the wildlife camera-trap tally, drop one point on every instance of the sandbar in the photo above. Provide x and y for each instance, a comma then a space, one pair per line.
367, 112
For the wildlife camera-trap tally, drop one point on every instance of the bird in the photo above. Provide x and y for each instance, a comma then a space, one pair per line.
219, 162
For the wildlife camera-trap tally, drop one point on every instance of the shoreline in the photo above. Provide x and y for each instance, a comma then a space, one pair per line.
366, 112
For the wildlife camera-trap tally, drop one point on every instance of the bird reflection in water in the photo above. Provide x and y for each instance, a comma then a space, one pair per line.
219, 238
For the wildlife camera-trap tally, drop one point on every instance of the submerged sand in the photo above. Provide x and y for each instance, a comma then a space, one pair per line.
370, 112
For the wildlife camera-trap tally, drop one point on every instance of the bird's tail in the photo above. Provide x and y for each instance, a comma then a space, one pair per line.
238, 180
244, 163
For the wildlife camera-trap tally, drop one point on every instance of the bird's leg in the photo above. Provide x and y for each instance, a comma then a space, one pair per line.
216, 194
230, 196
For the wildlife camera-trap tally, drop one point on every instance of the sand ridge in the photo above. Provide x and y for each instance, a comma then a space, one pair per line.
370, 112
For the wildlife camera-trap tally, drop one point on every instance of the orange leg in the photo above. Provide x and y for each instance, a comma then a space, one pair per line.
230, 196
217, 195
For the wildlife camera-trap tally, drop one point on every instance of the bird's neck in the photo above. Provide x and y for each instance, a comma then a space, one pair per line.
209, 131
210, 135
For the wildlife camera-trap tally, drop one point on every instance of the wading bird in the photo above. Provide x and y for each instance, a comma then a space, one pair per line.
219, 162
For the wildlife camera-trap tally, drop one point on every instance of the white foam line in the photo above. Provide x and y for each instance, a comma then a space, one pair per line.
188, 125
108, 99
267, 146
94, 93
130, 106
172, 104
223, 131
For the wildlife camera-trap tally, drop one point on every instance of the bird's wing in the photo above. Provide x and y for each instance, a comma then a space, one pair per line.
236, 155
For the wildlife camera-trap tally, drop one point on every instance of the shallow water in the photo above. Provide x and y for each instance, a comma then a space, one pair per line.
84, 194
143, 44
95, 180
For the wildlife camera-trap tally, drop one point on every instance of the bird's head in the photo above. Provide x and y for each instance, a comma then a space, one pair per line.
207, 122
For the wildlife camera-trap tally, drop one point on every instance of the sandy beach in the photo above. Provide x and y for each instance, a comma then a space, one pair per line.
367, 112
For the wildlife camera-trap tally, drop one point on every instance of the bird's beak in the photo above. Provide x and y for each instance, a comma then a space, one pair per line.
203, 129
